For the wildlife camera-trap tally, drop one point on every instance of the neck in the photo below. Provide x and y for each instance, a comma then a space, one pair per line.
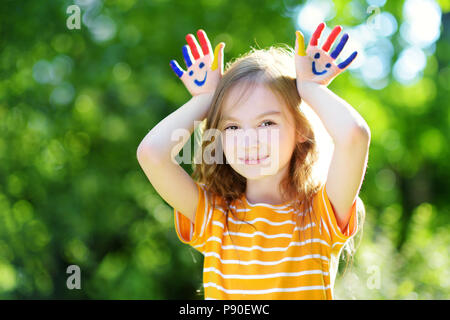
267, 188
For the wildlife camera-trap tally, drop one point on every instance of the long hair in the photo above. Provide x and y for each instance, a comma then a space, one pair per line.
275, 68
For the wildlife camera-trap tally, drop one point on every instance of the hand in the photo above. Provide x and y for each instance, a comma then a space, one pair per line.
204, 70
315, 64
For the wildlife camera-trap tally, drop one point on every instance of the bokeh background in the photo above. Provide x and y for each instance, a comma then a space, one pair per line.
75, 104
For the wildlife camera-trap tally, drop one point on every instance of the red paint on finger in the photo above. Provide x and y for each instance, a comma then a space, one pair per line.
203, 42
193, 46
333, 35
316, 35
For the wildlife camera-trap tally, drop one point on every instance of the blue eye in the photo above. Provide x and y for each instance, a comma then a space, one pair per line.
201, 65
328, 65
317, 55
191, 73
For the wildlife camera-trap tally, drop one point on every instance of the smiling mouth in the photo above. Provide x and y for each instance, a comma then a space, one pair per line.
254, 161
200, 83
315, 71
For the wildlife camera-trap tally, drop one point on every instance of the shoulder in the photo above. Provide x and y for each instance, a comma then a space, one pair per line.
211, 198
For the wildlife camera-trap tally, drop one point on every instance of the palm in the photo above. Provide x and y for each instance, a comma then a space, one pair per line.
204, 68
315, 64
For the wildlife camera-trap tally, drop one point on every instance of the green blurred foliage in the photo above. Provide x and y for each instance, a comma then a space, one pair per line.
75, 104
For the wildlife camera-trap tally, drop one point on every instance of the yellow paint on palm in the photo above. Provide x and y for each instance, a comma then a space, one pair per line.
301, 44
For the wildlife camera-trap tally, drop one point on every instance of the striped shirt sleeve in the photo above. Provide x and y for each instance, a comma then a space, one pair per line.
195, 234
330, 229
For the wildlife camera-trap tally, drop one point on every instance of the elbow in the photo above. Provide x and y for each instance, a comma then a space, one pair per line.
139, 152
144, 147
361, 135
148, 156
143, 151
147, 146
357, 136
364, 131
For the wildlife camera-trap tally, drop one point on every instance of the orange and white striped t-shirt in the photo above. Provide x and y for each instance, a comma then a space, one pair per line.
271, 261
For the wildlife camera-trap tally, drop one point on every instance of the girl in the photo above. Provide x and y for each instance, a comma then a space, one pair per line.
266, 227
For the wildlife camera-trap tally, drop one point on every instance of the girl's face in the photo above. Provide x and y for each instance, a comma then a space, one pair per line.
258, 134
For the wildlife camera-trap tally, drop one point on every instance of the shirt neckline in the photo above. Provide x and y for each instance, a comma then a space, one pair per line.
262, 204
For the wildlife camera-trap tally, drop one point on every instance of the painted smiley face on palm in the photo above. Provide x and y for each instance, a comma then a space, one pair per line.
314, 67
203, 72
315, 64
197, 82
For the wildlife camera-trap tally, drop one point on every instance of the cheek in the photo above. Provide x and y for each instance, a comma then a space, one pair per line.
286, 144
228, 143
276, 139
230, 147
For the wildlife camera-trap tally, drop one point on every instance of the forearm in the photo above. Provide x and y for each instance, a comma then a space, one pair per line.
160, 141
339, 118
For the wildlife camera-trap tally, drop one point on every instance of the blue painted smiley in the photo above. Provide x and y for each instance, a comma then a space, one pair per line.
199, 83
314, 70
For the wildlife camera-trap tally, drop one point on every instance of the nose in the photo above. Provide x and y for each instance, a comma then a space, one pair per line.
248, 144
248, 140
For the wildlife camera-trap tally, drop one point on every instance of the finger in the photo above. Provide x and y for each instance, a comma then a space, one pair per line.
347, 61
340, 46
300, 44
176, 68
218, 57
187, 56
316, 35
204, 42
215, 63
333, 35
193, 45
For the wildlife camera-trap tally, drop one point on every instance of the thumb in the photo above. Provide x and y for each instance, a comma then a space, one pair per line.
218, 57
299, 44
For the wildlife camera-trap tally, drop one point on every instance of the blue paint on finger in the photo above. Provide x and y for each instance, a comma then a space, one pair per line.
340, 46
347, 61
186, 56
176, 68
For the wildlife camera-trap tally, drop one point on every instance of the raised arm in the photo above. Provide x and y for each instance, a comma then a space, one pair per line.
350, 133
158, 149
156, 155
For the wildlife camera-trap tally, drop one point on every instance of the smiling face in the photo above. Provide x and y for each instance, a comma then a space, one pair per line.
258, 128
322, 63
317, 65
202, 80
314, 67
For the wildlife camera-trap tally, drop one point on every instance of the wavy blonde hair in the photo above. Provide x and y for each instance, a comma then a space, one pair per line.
275, 68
